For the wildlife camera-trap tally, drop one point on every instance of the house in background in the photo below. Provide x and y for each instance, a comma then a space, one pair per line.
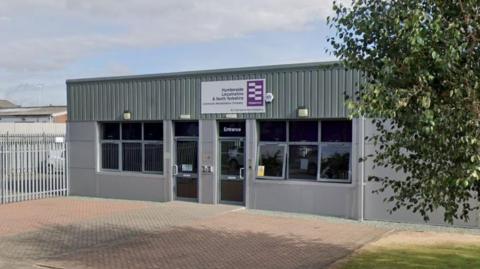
7, 104
18, 120
10, 112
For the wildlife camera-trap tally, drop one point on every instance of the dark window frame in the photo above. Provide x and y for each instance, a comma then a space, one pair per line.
110, 142
110, 123
319, 145
122, 134
178, 124
287, 176
120, 143
302, 143
284, 161
273, 141
344, 143
123, 156
338, 180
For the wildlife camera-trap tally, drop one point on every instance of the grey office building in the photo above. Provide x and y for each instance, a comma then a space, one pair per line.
269, 137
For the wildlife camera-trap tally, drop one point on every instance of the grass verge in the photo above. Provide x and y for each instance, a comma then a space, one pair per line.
417, 256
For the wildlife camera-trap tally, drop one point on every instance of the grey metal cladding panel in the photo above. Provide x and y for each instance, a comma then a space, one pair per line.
69, 101
72, 102
321, 89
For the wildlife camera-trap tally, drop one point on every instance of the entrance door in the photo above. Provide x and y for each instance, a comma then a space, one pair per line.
232, 170
186, 170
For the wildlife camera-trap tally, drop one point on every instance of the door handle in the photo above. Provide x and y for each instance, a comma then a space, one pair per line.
241, 172
175, 169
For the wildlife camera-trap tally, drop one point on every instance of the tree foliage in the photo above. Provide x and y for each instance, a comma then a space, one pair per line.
422, 63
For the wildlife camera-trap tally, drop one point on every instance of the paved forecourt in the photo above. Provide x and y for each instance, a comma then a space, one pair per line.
80, 232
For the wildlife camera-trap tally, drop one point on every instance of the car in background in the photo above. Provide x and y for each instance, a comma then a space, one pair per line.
54, 162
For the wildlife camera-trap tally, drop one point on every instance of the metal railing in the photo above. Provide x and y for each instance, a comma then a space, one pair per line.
32, 167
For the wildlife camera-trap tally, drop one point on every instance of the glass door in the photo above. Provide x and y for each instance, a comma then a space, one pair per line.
232, 170
186, 170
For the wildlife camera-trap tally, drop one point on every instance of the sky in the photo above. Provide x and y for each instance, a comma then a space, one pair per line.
45, 42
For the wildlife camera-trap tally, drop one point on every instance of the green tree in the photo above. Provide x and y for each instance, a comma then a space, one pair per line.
422, 66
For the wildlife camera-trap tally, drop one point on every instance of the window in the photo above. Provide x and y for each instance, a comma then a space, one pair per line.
271, 160
335, 162
111, 131
132, 157
132, 131
153, 131
186, 128
132, 147
302, 162
153, 153
305, 150
336, 150
110, 156
273, 131
110, 134
303, 131
337, 131
153, 146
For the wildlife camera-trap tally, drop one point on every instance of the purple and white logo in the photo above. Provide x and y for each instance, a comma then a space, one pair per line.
255, 92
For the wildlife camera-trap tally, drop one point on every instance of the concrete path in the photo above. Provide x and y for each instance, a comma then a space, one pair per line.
101, 233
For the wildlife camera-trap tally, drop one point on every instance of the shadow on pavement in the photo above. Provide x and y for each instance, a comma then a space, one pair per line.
174, 247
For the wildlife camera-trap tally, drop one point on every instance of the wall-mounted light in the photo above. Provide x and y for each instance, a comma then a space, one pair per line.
127, 115
302, 112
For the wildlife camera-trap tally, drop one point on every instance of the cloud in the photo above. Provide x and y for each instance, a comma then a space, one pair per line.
45, 35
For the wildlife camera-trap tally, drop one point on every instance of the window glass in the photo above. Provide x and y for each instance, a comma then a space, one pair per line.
110, 131
145, 154
231, 129
186, 128
273, 131
335, 161
154, 157
110, 156
232, 157
132, 157
132, 131
271, 158
337, 131
187, 157
303, 131
302, 161
153, 131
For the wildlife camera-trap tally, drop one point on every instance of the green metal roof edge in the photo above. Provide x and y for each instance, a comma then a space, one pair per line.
209, 71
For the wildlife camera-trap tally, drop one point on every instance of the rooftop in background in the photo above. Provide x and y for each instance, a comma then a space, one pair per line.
6, 104
33, 111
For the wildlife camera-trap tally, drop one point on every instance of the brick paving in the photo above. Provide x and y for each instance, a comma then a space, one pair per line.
96, 233
33, 215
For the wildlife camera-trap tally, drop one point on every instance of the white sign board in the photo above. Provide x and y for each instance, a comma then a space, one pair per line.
233, 96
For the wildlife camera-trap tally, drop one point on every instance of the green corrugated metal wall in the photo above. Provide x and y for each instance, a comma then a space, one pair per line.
318, 86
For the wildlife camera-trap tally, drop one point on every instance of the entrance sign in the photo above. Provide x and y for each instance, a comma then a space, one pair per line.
233, 96
231, 129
